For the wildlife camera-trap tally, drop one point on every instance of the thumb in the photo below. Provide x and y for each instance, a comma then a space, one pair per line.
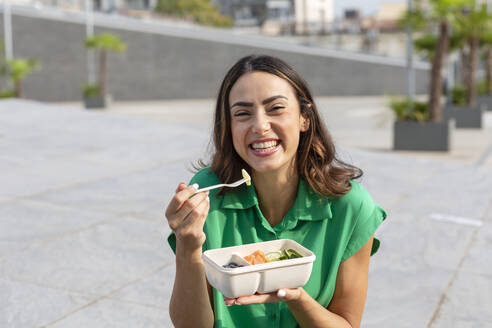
181, 186
289, 294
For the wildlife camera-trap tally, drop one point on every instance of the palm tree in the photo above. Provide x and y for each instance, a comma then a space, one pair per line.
426, 44
474, 24
429, 15
103, 43
18, 69
486, 43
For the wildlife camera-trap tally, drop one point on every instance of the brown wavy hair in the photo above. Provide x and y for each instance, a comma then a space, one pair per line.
316, 158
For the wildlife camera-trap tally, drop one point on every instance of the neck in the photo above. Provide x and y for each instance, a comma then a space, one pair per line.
276, 193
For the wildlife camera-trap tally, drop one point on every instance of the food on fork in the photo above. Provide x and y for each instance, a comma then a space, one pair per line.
246, 177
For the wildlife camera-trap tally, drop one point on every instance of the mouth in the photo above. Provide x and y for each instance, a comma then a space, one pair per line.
265, 147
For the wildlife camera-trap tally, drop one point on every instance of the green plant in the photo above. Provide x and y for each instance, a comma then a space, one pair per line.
103, 43
17, 70
407, 110
90, 90
200, 11
427, 43
483, 88
7, 94
213, 19
458, 95
437, 16
475, 24
486, 44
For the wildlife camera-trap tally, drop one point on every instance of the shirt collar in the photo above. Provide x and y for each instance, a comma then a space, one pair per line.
308, 206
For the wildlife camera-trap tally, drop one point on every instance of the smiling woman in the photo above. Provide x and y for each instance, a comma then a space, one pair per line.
266, 121
266, 129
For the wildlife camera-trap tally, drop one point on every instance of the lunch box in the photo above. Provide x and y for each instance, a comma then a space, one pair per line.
261, 278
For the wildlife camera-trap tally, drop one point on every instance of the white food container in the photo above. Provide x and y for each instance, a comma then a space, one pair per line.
261, 278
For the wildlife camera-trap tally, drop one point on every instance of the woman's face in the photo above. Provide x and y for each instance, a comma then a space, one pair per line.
265, 121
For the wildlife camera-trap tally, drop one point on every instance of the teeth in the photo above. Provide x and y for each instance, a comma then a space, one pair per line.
264, 145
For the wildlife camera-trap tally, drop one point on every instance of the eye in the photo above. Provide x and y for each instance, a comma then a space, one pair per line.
276, 108
241, 113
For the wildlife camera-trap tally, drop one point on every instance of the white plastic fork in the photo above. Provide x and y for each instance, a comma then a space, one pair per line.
246, 179
234, 184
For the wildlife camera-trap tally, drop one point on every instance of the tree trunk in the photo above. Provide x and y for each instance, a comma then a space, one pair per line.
488, 68
464, 59
435, 109
102, 73
18, 89
472, 68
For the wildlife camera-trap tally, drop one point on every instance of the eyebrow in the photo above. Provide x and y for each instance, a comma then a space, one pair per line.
266, 101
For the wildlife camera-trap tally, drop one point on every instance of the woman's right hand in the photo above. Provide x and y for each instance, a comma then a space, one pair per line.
186, 217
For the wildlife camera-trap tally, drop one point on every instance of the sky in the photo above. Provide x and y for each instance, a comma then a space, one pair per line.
367, 7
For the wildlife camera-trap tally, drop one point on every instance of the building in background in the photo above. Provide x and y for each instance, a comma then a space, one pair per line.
245, 13
107, 6
271, 16
280, 16
313, 16
351, 21
386, 18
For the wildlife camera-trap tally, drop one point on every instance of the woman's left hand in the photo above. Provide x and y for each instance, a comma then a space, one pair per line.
282, 295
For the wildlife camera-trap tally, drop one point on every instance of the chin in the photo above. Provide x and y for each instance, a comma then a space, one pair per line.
265, 167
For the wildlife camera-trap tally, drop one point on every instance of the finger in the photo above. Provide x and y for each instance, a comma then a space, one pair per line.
191, 210
190, 204
181, 186
174, 218
284, 294
191, 229
229, 301
179, 198
288, 294
196, 218
257, 299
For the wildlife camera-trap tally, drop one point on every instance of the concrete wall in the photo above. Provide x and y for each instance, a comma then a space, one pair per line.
160, 65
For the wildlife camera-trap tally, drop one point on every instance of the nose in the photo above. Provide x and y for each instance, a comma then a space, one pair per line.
261, 123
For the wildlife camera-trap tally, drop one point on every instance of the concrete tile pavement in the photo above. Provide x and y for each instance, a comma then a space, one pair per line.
82, 241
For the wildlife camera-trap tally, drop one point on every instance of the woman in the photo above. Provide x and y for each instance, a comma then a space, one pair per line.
266, 122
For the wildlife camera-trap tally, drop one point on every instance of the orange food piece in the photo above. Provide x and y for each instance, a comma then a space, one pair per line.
256, 258
250, 259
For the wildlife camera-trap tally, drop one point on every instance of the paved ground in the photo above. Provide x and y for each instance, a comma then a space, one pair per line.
82, 237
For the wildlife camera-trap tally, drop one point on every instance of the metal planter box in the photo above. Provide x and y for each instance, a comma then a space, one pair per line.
425, 136
484, 102
97, 102
465, 117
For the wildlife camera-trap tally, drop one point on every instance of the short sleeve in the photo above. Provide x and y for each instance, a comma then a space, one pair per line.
369, 217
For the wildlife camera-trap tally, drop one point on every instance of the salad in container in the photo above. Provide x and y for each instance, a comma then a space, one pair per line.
259, 267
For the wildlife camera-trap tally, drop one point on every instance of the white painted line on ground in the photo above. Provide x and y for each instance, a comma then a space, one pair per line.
456, 219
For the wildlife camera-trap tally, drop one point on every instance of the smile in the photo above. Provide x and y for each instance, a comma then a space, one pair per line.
265, 147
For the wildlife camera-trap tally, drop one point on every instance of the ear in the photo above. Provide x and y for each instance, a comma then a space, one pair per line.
304, 123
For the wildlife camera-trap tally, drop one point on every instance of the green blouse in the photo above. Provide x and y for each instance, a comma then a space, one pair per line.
333, 228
